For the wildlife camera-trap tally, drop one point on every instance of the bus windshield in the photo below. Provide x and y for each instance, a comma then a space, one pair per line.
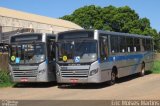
82, 51
27, 53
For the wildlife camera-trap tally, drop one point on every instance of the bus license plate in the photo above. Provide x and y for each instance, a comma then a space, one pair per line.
24, 79
74, 80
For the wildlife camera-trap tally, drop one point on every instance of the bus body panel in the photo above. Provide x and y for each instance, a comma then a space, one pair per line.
127, 63
27, 73
131, 65
51, 71
83, 76
105, 69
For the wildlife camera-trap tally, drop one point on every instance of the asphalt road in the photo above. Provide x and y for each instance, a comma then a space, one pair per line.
128, 88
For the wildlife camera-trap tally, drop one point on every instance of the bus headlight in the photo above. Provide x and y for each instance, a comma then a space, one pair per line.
58, 73
92, 72
10, 73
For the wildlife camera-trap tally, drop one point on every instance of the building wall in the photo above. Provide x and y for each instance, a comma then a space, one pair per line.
10, 24
15, 21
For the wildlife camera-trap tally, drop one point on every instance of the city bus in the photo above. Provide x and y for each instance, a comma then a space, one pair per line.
95, 56
32, 57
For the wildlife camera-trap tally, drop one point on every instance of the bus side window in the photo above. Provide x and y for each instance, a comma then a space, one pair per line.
114, 44
122, 43
103, 48
143, 44
148, 45
130, 45
136, 44
152, 48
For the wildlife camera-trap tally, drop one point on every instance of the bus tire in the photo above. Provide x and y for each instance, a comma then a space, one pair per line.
113, 78
142, 72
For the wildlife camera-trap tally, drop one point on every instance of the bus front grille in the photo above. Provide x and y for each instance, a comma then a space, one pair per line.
74, 73
24, 73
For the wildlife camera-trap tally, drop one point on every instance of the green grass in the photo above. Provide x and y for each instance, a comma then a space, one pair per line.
156, 67
5, 80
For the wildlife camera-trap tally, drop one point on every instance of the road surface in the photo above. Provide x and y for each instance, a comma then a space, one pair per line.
128, 88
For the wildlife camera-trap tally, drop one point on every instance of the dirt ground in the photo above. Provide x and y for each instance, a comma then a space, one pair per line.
127, 88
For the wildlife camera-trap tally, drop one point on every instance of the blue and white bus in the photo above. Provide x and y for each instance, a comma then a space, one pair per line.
32, 57
94, 56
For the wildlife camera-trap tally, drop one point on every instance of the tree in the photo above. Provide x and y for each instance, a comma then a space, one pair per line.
118, 19
87, 17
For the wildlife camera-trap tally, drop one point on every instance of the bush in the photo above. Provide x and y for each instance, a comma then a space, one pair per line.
5, 79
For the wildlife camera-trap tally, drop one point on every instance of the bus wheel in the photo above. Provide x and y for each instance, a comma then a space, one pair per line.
113, 78
142, 73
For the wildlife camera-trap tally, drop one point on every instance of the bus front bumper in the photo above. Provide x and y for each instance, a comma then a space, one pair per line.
78, 80
27, 80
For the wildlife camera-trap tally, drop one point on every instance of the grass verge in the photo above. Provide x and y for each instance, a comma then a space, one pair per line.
156, 67
5, 80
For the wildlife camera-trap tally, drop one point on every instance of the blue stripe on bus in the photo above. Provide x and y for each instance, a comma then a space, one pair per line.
46, 61
99, 60
124, 57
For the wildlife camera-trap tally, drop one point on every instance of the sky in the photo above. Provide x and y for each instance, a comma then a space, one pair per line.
58, 8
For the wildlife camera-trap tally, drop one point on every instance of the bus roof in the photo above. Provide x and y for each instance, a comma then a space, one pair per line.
110, 33
123, 34
30, 33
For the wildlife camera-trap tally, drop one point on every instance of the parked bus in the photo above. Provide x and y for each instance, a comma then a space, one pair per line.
32, 57
94, 56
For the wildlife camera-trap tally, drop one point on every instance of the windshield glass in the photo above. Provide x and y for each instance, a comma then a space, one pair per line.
27, 53
77, 51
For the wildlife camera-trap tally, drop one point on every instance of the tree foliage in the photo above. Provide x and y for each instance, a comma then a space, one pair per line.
118, 19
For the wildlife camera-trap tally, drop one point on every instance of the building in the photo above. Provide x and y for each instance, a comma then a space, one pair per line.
12, 22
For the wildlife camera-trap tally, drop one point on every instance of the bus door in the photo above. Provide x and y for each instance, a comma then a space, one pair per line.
104, 53
51, 57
